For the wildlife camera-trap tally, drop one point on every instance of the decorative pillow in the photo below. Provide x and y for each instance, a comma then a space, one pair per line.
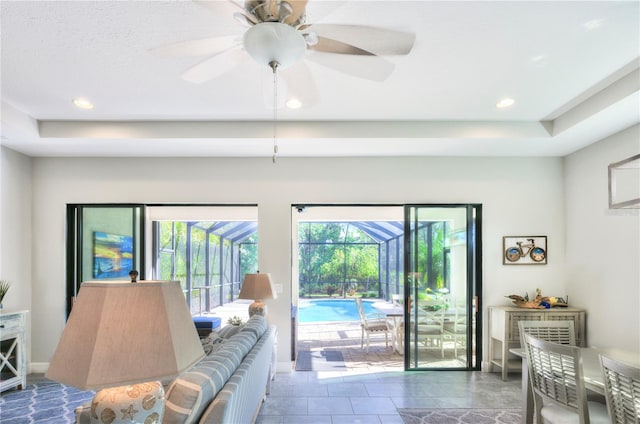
229, 330
211, 343
256, 324
243, 341
190, 393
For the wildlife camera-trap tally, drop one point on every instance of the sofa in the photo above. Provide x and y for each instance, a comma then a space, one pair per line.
228, 385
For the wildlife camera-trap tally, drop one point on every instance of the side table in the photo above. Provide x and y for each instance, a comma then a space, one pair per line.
13, 360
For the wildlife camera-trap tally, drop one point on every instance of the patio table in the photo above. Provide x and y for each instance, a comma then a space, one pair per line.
396, 314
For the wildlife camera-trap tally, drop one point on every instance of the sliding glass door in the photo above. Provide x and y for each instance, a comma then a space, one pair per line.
442, 283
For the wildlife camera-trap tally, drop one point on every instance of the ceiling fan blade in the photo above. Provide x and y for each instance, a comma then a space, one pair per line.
298, 9
301, 85
373, 68
379, 41
328, 45
202, 47
215, 66
294, 85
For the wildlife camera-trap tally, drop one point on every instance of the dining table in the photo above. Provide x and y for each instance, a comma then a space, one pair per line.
592, 374
395, 313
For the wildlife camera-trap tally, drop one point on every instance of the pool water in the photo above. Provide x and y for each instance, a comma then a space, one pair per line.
330, 310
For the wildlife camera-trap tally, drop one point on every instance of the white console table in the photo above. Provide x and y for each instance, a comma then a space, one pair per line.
13, 360
504, 333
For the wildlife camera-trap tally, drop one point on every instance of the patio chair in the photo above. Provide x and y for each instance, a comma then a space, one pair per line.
430, 324
457, 329
622, 391
556, 377
372, 325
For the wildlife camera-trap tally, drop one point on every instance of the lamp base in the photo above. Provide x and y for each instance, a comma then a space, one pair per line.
137, 403
257, 308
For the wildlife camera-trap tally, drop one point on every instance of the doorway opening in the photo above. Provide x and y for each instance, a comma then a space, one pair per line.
356, 282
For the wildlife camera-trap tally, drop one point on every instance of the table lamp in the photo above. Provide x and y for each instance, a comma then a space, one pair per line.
123, 337
258, 287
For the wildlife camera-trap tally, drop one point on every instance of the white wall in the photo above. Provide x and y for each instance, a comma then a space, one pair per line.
603, 245
598, 266
15, 231
520, 197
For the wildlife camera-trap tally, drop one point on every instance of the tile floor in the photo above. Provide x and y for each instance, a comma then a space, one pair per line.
374, 385
373, 396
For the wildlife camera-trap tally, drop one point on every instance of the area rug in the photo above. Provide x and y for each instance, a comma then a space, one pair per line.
42, 402
324, 360
460, 416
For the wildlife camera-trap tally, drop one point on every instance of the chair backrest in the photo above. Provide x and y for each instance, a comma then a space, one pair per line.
555, 372
431, 312
396, 299
459, 307
561, 332
622, 390
361, 313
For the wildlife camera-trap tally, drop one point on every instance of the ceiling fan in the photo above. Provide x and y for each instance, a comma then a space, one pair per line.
279, 36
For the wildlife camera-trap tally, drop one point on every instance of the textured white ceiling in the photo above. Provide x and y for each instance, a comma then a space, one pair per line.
551, 57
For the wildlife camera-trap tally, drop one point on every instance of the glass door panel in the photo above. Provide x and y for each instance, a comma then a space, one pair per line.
441, 276
104, 242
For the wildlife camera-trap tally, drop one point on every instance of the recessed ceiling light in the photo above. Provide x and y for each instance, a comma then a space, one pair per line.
82, 103
592, 24
506, 102
539, 59
294, 103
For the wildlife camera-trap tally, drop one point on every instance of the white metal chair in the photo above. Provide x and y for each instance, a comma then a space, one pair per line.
430, 324
457, 329
556, 376
371, 325
622, 391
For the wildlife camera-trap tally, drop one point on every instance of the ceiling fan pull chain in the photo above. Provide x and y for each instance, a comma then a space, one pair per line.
274, 67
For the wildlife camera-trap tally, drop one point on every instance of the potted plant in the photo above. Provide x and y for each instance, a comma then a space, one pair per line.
4, 288
235, 320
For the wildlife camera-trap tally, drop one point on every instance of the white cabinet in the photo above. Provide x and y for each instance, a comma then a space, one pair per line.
13, 361
504, 333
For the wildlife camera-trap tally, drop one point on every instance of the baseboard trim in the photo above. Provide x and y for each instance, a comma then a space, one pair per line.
37, 367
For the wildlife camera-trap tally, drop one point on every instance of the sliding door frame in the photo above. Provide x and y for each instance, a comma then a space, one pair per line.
473, 283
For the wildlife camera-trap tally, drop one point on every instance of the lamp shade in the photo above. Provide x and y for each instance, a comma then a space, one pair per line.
257, 286
122, 333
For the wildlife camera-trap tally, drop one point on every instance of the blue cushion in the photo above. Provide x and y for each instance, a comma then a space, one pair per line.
208, 323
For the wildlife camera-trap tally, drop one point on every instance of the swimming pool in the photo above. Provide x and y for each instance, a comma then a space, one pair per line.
328, 310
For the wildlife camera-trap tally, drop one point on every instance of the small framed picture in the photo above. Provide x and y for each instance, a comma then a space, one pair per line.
524, 250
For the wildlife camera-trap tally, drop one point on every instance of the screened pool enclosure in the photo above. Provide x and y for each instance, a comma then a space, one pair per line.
209, 258
336, 259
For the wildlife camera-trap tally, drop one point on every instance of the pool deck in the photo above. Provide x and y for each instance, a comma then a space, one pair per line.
345, 337
342, 336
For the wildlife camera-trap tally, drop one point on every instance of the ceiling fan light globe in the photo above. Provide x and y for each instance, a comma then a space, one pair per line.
267, 42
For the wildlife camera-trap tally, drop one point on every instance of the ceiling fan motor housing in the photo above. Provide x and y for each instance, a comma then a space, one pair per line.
268, 42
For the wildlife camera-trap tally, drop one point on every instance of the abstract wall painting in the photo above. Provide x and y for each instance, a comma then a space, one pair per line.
112, 255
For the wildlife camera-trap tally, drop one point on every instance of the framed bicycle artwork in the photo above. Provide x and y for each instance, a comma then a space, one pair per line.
524, 250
